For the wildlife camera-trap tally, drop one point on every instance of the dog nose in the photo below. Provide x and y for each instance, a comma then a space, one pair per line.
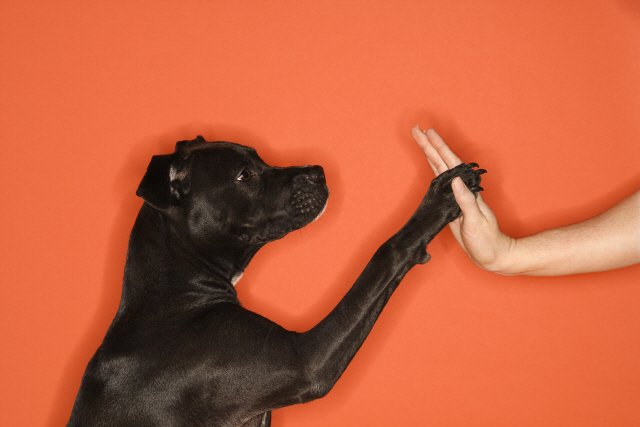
315, 175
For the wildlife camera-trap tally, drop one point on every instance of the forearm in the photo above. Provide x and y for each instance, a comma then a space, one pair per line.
608, 241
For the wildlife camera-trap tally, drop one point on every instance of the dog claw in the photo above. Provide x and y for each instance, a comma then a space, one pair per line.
481, 171
472, 165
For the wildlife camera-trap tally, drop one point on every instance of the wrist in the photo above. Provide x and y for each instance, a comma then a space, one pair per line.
506, 261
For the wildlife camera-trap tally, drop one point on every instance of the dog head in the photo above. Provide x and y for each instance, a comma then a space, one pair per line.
222, 190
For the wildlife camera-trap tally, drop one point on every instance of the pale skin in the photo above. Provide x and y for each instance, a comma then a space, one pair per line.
605, 242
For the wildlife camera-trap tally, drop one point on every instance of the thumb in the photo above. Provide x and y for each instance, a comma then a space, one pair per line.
466, 200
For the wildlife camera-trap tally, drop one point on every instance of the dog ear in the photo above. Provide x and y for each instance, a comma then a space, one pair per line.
182, 145
161, 183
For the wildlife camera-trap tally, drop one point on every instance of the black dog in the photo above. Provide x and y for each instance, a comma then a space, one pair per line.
181, 350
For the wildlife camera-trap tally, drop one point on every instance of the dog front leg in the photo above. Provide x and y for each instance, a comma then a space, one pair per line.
326, 350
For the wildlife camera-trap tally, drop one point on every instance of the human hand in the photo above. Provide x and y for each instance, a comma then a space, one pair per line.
476, 231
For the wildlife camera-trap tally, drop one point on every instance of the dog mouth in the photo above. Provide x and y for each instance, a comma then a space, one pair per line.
305, 206
309, 204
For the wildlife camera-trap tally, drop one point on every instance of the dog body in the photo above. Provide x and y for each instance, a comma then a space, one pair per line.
181, 350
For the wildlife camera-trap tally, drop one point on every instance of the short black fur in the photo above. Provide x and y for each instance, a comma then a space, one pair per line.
181, 350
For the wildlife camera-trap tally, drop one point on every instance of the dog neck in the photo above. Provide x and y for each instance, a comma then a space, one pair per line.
190, 278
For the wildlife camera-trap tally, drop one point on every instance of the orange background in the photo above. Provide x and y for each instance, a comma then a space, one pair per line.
544, 94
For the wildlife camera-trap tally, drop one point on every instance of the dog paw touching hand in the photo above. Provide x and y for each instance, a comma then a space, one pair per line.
440, 198
437, 209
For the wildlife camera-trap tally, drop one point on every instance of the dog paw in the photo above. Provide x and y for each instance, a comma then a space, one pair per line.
440, 196
437, 209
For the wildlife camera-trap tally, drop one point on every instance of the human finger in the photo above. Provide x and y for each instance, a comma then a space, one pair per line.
433, 168
435, 161
443, 150
467, 201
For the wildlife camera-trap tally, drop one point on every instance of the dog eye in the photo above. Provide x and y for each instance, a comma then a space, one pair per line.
245, 175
